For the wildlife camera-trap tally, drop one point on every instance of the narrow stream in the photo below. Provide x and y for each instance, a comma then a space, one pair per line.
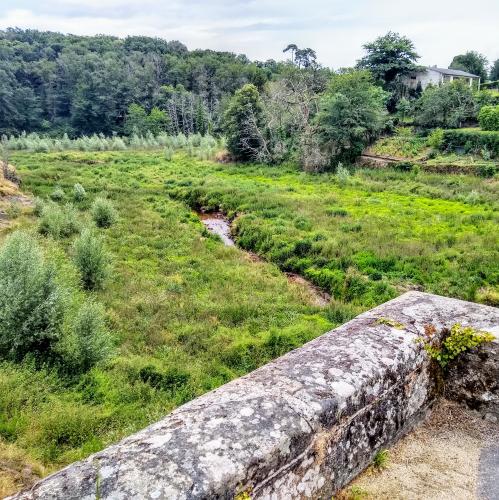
218, 224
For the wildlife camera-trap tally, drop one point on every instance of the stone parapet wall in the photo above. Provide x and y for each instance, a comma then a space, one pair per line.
301, 426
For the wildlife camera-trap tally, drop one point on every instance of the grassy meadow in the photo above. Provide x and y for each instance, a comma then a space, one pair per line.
189, 314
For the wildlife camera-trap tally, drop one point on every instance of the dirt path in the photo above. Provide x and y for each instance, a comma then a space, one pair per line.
448, 457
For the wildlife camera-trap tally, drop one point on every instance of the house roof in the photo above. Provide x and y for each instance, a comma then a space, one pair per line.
452, 72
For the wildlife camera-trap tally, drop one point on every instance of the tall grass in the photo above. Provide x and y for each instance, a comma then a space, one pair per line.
189, 314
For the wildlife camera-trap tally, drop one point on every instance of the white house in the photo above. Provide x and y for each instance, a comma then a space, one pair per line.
437, 76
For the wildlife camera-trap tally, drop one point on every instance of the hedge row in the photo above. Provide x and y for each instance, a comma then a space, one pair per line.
471, 141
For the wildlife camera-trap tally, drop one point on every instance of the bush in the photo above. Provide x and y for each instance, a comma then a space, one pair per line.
88, 341
448, 105
436, 138
32, 304
91, 259
38, 206
79, 193
487, 170
59, 222
168, 153
342, 175
488, 118
403, 166
103, 212
171, 379
13, 210
471, 141
57, 194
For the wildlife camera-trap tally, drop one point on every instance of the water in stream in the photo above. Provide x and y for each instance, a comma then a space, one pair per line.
218, 224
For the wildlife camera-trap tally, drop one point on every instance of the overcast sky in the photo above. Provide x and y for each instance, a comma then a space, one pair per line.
336, 29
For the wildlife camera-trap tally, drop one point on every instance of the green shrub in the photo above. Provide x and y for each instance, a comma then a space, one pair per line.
88, 340
32, 304
103, 212
91, 259
59, 222
403, 166
168, 153
57, 194
337, 212
342, 175
79, 193
471, 141
38, 206
435, 139
445, 106
487, 170
488, 117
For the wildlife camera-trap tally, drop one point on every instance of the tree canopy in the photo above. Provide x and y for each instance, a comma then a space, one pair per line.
447, 106
243, 124
494, 71
471, 62
352, 113
50, 82
388, 57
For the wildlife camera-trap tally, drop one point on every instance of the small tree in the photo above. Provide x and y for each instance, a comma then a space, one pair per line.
38, 206
57, 221
472, 62
352, 115
103, 212
243, 123
136, 120
91, 259
88, 340
57, 194
389, 57
404, 108
158, 121
79, 193
32, 304
488, 118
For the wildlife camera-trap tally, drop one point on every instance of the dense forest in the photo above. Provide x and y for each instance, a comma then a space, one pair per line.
82, 85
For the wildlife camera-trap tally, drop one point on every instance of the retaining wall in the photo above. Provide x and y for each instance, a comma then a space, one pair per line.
300, 427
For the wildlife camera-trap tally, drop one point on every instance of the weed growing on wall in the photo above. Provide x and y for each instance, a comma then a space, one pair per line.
456, 341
